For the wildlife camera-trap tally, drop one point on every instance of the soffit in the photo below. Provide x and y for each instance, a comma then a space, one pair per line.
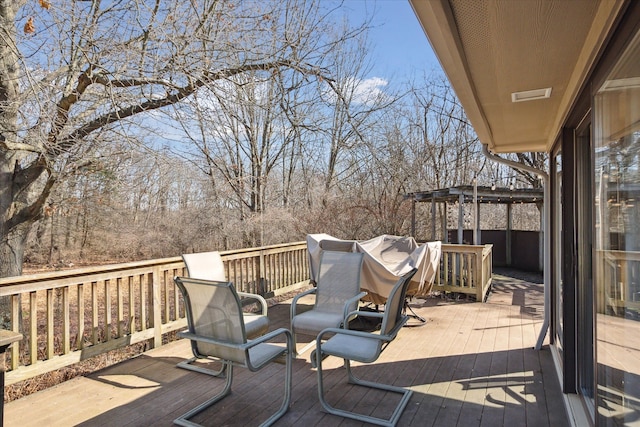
492, 48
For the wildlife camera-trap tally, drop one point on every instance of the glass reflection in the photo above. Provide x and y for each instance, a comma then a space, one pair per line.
617, 242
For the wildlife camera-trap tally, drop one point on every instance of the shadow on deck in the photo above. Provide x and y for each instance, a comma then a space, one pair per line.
471, 364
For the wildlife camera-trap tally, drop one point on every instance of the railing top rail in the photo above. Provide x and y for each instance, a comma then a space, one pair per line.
449, 247
243, 253
620, 255
85, 273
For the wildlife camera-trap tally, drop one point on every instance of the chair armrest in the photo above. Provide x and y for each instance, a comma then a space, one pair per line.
252, 343
350, 301
391, 333
259, 298
248, 345
357, 313
337, 331
269, 336
294, 302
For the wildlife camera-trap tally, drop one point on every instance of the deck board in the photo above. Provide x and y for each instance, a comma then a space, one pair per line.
470, 364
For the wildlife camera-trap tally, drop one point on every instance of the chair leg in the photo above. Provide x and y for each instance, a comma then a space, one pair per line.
392, 421
189, 365
183, 420
286, 402
313, 359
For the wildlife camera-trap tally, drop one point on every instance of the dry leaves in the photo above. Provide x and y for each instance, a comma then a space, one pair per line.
29, 26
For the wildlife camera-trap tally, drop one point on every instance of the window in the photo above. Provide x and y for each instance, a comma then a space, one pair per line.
616, 192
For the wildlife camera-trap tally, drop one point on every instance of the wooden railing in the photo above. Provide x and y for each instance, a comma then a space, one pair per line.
618, 279
465, 269
69, 316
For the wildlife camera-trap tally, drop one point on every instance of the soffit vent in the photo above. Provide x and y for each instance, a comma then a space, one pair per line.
531, 95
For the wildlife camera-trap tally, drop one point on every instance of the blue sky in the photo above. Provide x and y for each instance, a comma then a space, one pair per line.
400, 48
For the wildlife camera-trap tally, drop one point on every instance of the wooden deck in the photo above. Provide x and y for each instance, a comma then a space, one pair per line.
471, 364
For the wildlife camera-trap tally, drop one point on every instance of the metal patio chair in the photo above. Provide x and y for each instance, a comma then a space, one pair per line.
337, 293
209, 266
365, 347
216, 328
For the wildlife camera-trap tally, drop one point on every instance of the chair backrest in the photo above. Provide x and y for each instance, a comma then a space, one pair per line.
393, 317
338, 280
214, 311
205, 265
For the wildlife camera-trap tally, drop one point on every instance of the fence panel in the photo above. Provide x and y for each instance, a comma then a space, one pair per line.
465, 269
69, 316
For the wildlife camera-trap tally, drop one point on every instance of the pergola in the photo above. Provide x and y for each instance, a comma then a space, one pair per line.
475, 196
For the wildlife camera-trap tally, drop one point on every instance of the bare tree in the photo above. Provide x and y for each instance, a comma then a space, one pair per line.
249, 126
84, 73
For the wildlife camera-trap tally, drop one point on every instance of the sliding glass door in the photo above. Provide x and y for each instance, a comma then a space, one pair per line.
616, 192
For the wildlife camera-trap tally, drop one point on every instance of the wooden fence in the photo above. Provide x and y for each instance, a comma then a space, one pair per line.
70, 316
465, 269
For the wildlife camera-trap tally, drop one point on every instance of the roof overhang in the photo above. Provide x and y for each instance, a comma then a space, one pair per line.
481, 194
493, 49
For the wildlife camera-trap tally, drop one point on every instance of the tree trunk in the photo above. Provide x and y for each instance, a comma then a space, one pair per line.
11, 256
12, 251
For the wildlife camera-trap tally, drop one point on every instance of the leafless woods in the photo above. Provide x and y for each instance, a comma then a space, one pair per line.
134, 129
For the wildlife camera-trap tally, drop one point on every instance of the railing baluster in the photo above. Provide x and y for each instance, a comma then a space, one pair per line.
132, 305
107, 309
153, 280
176, 296
80, 302
120, 309
50, 345
94, 313
143, 303
165, 286
33, 327
15, 326
66, 326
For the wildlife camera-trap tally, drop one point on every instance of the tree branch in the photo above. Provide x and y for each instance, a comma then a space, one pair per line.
173, 98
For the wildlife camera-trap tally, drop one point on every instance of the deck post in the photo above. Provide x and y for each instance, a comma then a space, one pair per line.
508, 235
156, 309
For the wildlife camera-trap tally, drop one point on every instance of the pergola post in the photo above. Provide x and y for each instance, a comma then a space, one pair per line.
433, 217
413, 217
540, 240
508, 235
478, 238
476, 216
460, 217
444, 224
